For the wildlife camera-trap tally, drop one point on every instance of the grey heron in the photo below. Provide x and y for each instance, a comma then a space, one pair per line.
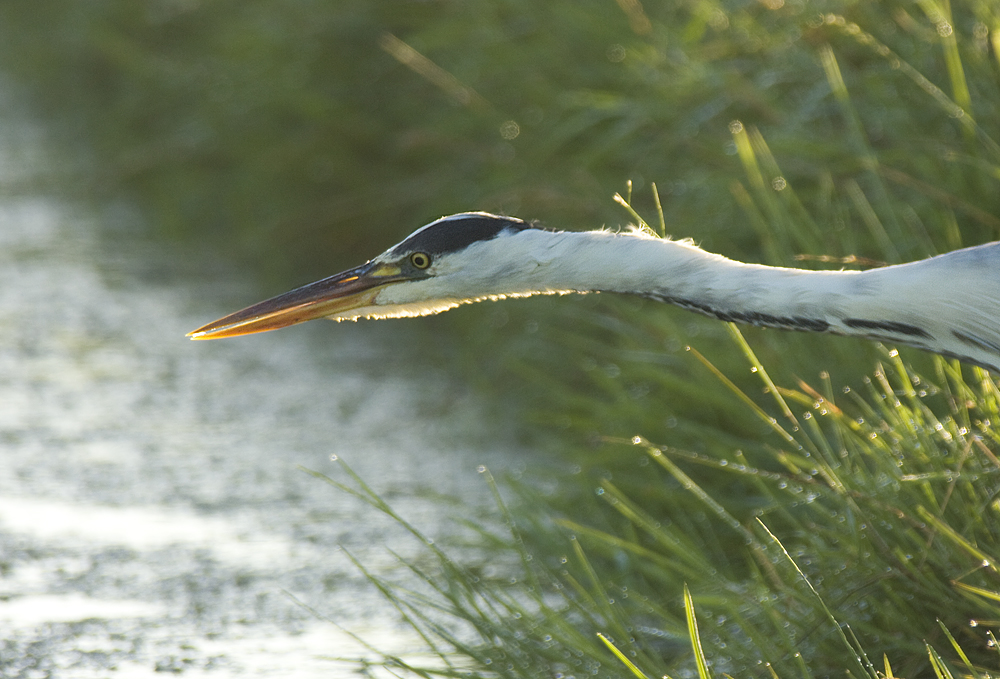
949, 304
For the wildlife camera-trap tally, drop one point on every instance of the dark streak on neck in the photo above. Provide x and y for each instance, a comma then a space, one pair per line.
749, 317
888, 326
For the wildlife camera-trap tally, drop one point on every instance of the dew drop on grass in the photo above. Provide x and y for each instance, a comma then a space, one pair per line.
333, 457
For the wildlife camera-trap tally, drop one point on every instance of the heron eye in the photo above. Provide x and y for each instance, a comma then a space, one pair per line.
420, 260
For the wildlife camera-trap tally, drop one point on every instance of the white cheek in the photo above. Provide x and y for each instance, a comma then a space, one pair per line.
403, 301
403, 293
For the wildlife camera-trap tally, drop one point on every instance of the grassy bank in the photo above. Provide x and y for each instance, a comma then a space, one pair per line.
864, 544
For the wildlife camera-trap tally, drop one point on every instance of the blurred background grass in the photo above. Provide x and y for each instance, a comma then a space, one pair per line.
296, 138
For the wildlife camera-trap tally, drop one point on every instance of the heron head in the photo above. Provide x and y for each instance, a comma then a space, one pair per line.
441, 265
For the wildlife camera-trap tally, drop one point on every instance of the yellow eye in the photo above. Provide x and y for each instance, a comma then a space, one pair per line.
420, 260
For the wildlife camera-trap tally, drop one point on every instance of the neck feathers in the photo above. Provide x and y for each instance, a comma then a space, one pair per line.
948, 304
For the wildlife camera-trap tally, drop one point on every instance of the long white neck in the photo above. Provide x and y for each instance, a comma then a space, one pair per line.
948, 304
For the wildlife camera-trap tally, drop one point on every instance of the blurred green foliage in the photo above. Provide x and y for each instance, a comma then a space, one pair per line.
305, 136
299, 122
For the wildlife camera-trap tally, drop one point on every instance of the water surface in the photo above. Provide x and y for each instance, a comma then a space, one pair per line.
153, 513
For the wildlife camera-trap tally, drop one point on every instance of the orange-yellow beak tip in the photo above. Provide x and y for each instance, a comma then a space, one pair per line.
329, 297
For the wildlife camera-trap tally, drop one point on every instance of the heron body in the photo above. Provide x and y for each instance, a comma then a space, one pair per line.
949, 304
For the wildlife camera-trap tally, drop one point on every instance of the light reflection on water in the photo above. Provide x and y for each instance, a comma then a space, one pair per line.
152, 515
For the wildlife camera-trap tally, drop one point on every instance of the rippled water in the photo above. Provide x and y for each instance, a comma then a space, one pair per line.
152, 513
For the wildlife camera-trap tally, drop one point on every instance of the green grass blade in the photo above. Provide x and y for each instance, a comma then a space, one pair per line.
692, 623
855, 653
659, 211
749, 402
758, 369
985, 593
958, 649
639, 221
957, 538
940, 16
941, 670
621, 656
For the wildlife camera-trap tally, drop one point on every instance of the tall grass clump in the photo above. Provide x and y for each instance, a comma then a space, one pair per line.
884, 165
869, 549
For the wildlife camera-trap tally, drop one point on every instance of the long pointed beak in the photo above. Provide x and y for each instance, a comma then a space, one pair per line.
348, 290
